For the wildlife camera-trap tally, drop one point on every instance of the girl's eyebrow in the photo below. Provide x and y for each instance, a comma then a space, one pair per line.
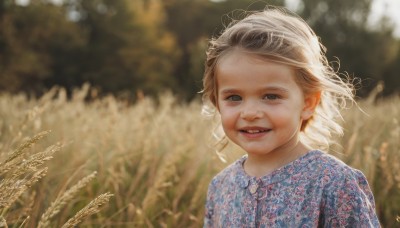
276, 88
229, 91
267, 88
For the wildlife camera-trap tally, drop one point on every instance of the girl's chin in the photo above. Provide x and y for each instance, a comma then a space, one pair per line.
257, 152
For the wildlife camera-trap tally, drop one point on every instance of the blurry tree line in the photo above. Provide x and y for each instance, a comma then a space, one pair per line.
126, 46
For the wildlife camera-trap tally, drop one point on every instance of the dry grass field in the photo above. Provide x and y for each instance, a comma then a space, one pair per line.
107, 163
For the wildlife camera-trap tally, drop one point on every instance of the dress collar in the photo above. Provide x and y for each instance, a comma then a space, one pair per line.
280, 174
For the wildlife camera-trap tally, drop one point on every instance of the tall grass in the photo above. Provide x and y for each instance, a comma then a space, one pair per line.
372, 144
156, 159
19, 171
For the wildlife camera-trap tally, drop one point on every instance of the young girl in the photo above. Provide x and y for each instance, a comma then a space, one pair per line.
278, 99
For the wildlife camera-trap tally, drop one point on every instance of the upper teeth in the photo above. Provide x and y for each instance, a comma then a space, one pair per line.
253, 131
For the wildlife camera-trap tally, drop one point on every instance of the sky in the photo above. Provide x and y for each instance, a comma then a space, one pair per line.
390, 7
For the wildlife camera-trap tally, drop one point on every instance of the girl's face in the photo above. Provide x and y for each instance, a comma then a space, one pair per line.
260, 104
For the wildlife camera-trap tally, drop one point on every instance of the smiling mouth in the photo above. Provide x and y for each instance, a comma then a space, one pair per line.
255, 131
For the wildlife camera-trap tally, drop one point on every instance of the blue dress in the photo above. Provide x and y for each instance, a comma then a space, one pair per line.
316, 190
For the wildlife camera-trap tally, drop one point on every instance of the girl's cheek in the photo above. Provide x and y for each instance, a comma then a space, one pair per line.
227, 111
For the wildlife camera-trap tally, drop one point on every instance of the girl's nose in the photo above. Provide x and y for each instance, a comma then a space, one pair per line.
251, 113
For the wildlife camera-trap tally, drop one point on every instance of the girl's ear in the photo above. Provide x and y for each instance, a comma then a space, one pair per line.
311, 102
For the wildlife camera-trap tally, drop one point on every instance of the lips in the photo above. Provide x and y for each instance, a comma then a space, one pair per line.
254, 130
254, 133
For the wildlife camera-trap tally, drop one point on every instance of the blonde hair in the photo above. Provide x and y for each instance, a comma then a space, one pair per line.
281, 36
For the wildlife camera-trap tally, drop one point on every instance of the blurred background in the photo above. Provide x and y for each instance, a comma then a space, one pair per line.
130, 47
156, 154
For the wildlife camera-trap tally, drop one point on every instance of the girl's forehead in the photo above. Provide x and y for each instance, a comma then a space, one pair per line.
239, 59
238, 69
239, 54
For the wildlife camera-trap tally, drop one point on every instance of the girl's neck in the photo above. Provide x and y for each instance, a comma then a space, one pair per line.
261, 165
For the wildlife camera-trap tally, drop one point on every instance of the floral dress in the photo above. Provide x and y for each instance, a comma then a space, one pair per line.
316, 190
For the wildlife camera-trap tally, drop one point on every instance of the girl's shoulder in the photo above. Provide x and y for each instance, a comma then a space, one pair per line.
330, 166
346, 194
230, 174
336, 177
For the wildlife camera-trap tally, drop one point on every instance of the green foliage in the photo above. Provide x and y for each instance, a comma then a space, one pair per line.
33, 40
391, 74
362, 51
128, 47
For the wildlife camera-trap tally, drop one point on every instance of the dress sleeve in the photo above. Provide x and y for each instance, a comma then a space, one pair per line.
350, 202
209, 208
